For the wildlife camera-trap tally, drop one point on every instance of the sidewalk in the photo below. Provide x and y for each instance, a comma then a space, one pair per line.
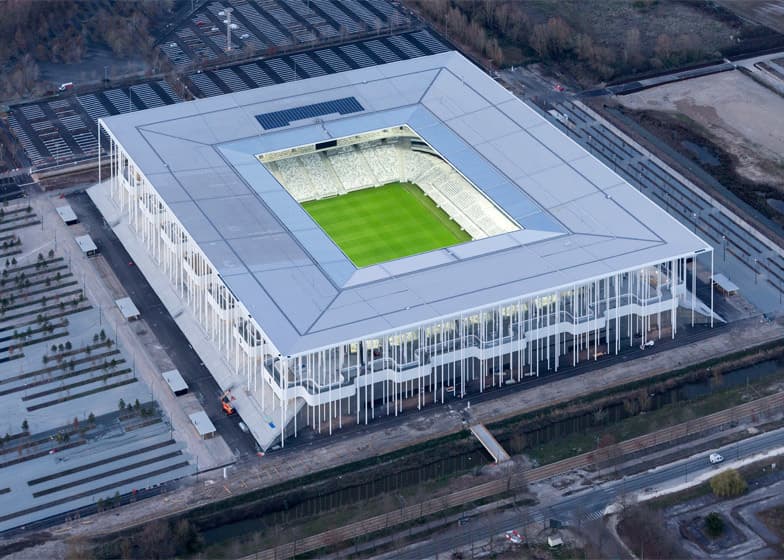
136, 339
263, 416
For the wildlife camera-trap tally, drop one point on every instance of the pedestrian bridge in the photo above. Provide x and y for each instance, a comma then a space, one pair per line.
497, 452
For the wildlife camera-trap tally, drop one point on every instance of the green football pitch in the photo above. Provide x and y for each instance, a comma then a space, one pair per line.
381, 224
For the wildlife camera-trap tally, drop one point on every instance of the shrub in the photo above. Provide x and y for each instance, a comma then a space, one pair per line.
714, 524
728, 484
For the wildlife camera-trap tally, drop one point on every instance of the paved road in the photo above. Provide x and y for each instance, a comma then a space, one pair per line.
590, 503
165, 328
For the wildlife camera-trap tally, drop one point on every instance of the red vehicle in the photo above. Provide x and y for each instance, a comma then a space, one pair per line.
514, 537
226, 403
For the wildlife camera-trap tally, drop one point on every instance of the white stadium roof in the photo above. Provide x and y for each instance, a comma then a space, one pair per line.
581, 220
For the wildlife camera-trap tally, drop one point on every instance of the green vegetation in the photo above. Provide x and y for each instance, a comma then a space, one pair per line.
385, 223
728, 484
668, 415
714, 524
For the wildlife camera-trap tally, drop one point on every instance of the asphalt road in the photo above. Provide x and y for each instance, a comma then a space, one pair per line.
198, 377
590, 503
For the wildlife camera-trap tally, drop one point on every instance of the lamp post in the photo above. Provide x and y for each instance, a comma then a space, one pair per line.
724, 247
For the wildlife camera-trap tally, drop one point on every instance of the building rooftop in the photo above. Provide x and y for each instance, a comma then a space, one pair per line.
127, 308
67, 214
86, 244
579, 219
202, 423
175, 381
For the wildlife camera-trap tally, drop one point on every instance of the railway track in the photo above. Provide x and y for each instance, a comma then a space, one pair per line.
496, 487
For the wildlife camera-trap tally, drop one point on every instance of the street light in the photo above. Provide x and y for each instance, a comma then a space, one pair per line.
724, 245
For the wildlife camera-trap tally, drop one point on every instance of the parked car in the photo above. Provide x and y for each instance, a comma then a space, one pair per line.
715, 458
514, 537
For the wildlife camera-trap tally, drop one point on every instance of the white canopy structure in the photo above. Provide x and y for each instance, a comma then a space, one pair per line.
580, 262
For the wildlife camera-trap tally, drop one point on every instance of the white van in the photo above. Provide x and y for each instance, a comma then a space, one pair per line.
715, 458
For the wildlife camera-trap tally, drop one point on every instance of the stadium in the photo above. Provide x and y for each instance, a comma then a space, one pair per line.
363, 243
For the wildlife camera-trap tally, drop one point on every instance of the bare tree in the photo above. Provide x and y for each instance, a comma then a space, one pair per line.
632, 50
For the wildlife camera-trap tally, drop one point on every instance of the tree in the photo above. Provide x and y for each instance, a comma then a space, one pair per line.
25, 425
121, 404
91, 418
645, 532
728, 484
663, 48
632, 52
553, 39
714, 524
68, 345
76, 424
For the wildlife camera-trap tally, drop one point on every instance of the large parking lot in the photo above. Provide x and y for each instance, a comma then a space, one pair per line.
64, 130
271, 26
287, 68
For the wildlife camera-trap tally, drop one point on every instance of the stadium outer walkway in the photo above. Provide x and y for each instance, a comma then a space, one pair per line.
259, 417
418, 427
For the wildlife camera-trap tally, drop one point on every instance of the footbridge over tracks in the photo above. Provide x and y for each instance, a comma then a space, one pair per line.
497, 452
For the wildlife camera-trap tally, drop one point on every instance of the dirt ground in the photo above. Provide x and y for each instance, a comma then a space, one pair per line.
740, 115
773, 518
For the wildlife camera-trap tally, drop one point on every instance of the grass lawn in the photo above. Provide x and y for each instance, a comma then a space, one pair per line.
385, 223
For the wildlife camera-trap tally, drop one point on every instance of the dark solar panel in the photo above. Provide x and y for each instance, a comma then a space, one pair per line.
278, 119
